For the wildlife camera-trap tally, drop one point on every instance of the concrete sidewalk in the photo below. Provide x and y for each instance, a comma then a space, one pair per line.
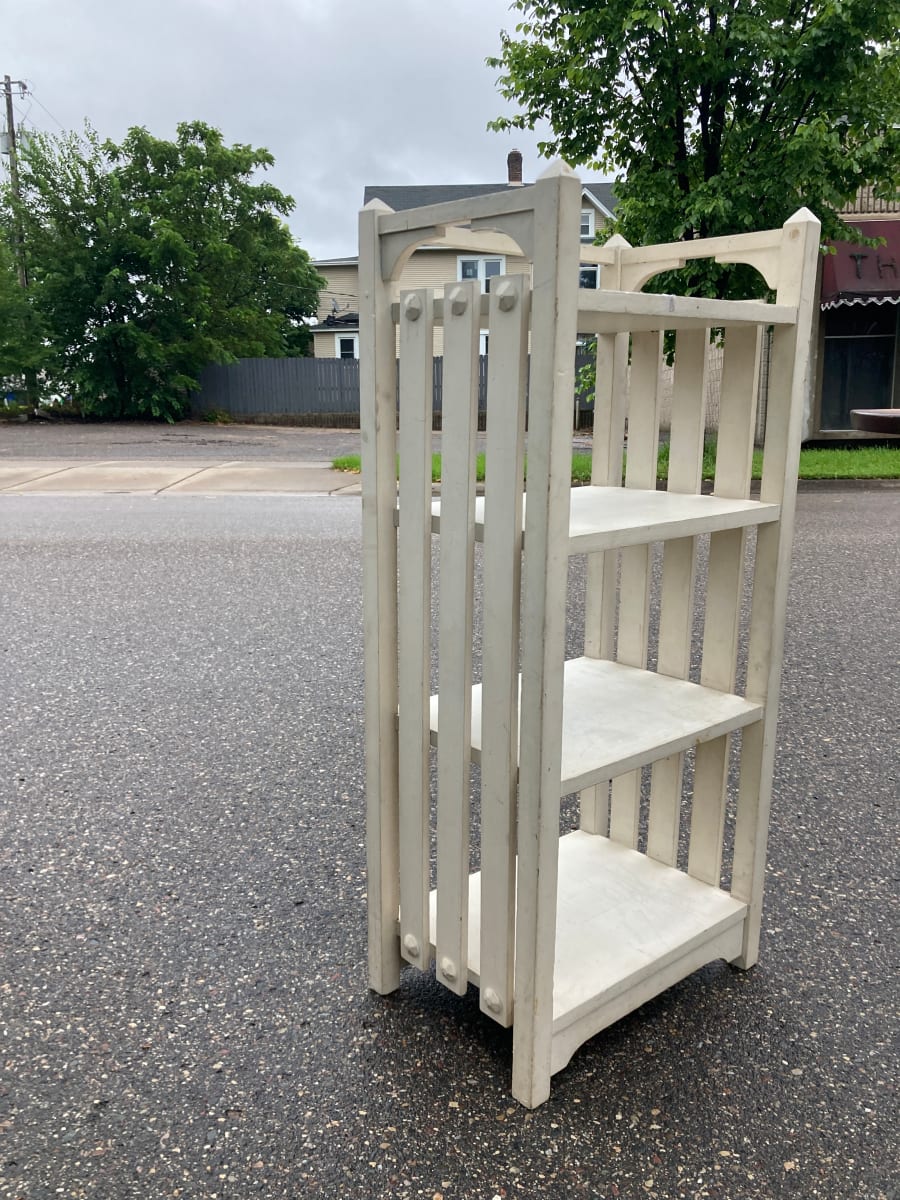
164, 477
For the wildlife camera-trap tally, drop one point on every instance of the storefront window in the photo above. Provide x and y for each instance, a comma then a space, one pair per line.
858, 366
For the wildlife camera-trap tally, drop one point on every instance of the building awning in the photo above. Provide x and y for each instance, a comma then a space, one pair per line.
846, 301
856, 274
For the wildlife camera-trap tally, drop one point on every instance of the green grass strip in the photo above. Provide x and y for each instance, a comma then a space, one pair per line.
839, 462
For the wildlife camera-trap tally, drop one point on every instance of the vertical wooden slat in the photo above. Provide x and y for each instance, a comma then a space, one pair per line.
606, 470
457, 548
737, 422
602, 569
378, 405
414, 609
606, 466
504, 455
635, 561
557, 202
677, 586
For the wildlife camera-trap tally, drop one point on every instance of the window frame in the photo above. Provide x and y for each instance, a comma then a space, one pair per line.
338, 338
481, 260
582, 268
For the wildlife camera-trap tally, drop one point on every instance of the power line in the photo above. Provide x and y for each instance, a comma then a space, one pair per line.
45, 108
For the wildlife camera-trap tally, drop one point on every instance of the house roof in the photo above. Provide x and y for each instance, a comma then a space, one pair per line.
337, 262
346, 322
865, 202
400, 197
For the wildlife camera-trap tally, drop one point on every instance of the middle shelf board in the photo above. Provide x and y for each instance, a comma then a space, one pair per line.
606, 518
617, 718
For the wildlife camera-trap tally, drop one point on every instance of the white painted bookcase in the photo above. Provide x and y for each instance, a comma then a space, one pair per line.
564, 935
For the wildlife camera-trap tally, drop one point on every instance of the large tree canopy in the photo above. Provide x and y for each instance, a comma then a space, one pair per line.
717, 117
148, 260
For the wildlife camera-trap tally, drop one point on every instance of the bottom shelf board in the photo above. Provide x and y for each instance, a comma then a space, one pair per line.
624, 924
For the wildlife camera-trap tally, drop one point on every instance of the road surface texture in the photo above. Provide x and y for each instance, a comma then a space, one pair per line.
156, 440
183, 1000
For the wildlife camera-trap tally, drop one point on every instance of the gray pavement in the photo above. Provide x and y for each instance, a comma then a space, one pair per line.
177, 476
183, 1007
73, 457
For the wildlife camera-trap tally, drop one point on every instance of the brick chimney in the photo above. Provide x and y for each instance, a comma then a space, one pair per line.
514, 168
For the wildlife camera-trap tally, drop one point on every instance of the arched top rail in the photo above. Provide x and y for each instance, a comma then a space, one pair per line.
499, 223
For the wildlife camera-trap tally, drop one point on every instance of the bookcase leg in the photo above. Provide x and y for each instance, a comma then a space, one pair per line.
383, 897
531, 1062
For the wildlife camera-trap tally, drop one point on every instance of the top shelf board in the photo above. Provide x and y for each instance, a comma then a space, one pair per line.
607, 518
641, 312
644, 312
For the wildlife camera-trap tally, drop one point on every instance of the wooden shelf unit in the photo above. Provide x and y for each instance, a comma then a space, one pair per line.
562, 936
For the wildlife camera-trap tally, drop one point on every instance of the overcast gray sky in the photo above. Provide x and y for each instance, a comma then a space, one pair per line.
344, 93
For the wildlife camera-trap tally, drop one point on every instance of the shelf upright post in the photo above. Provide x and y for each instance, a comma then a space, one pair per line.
557, 199
789, 383
378, 421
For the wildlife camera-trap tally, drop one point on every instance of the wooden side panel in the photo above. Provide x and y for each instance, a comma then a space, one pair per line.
635, 576
737, 422
414, 608
504, 470
378, 406
457, 551
677, 588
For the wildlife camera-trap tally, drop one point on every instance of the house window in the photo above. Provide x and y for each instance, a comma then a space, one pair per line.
482, 268
588, 225
346, 345
589, 276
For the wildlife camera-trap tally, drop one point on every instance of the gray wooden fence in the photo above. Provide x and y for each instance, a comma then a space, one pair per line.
300, 391
305, 391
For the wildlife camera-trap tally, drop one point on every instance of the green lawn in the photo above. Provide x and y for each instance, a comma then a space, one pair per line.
863, 462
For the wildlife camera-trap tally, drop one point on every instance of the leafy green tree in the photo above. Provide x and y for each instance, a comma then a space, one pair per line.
151, 259
717, 117
21, 348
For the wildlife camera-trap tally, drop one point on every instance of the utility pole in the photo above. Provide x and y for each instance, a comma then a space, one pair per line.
14, 170
31, 388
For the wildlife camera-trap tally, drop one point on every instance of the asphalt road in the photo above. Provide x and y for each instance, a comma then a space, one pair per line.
187, 439
183, 1004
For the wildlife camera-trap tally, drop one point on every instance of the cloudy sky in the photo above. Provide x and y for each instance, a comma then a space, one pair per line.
344, 93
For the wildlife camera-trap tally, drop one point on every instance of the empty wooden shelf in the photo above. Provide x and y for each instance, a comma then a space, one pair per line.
627, 927
605, 518
617, 718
